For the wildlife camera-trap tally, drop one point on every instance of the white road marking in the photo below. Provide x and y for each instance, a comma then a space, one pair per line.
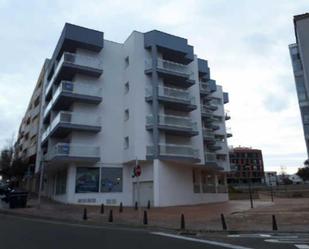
210, 242
302, 246
249, 236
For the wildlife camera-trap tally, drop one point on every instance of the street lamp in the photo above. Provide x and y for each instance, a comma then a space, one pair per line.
41, 182
247, 167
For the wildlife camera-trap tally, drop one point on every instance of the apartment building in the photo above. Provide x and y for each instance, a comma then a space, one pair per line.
109, 106
299, 53
246, 166
27, 143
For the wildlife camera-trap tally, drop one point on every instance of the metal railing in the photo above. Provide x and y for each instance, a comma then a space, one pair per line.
208, 133
74, 88
73, 150
74, 118
76, 59
175, 121
204, 87
210, 157
173, 93
206, 110
174, 150
170, 66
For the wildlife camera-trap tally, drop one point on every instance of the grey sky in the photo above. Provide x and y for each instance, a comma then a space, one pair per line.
246, 43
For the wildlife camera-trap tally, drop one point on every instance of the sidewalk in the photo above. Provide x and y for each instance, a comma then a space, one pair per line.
291, 214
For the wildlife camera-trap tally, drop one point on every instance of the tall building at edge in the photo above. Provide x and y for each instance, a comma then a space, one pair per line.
299, 52
103, 106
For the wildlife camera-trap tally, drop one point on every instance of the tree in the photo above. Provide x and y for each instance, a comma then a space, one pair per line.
303, 172
6, 160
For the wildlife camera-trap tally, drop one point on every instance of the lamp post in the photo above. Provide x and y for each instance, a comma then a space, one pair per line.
249, 185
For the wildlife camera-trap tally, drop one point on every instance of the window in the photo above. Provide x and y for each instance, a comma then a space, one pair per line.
61, 182
111, 179
127, 61
87, 180
126, 115
126, 87
126, 143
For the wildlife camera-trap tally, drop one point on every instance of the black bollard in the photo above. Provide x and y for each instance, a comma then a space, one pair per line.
145, 220
102, 208
110, 217
224, 227
120, 208
136, 206
148, 205
85, 214
182, 222
275, 227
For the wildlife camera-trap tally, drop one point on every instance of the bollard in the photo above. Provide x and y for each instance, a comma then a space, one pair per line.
120, 208
224, 227
182, 222
110, 217
136, 206
145, 220
275, 227
102, 208
85, 214
148, 205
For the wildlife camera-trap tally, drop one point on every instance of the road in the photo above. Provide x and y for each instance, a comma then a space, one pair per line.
24, 233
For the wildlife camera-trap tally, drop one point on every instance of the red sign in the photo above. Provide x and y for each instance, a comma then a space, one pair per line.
138, 170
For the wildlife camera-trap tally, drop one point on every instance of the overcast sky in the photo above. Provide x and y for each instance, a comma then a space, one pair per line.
245, 42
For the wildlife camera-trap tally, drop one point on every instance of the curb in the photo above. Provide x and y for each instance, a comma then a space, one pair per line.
189, 232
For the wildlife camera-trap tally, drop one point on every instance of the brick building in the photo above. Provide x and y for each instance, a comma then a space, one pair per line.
246, 163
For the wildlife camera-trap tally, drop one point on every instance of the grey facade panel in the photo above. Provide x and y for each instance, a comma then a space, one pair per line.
72, 37
174, 45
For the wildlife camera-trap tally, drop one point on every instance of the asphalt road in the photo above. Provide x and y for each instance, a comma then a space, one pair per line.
22, 233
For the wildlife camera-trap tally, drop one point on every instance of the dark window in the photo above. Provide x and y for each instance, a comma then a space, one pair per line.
87, 180
111, 179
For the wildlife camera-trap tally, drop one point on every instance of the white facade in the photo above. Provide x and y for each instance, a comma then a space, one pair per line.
108, 105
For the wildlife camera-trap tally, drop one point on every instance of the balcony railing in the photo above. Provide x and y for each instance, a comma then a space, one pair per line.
229, 132
174, 121
227, 115
205, 110
204, 87
73, 150
174, 150
75, 59
210, 157
74, 88
208, 133
170, 66
173, 93
73, 118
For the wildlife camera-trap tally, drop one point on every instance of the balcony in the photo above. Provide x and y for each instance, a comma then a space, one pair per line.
206, 112
229, 132
68, 92
204, 88
174, 98
174, 152
73, 152
175, 73
208, 135
218, 145
66, 122
210, 158
70, 64
176, 125
227, 115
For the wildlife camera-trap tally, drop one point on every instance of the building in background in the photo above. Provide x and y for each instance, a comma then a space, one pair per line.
246, 166
27, 143
271, 178
299, 52
108, 106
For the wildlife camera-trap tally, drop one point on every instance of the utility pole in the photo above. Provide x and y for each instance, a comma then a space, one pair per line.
41, 183
250, 190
